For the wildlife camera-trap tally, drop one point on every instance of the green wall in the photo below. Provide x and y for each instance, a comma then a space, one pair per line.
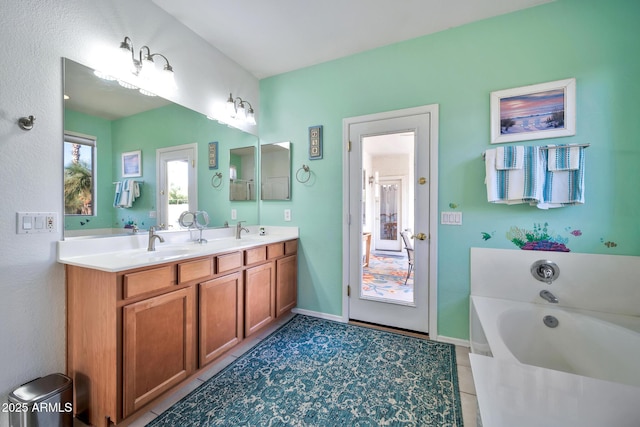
595, 42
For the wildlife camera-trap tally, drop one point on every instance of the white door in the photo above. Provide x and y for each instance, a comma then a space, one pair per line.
418, 312
176, 176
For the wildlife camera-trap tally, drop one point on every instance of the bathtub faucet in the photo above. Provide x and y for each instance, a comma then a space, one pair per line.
545, 294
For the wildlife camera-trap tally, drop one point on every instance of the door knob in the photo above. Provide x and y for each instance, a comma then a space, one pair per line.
420, 236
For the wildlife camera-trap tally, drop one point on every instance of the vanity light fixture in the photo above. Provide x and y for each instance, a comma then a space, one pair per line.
237, 110
143, 67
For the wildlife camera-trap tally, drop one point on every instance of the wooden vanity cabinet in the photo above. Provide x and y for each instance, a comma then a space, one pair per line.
136, 334
158, 346
221, 315
286, 284
259, 297
271, 286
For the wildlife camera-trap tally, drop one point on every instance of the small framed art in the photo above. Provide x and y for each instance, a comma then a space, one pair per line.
545, 110
315, 142
213, 155
132, 164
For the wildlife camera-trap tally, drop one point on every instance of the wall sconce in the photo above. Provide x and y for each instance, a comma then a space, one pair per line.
143, 67
237, 110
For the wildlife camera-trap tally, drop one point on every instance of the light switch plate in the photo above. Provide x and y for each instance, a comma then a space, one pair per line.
36, 222
451, 218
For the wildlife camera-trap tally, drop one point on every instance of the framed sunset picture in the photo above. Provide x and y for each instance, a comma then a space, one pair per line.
545, 110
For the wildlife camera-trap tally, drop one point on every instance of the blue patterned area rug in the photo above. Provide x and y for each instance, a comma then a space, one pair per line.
315, 372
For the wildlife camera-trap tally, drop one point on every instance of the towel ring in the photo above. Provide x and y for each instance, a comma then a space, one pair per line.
307, 171
216, 183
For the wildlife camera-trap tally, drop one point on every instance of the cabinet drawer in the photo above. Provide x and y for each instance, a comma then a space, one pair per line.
194, 270
252, 256
148, 281
275, 250
290, 247
228, 262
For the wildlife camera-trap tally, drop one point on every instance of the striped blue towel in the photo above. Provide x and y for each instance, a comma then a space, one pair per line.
513, 186
509, 157
563, 157
564, 187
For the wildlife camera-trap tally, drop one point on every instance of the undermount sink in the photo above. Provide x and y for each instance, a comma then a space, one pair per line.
159, 254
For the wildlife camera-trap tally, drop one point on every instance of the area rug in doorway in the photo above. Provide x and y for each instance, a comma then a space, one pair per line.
385, 276
315, 372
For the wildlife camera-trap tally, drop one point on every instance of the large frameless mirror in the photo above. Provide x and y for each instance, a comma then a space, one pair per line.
112, 135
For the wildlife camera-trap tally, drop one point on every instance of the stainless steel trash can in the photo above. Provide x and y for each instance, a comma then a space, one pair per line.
43, 402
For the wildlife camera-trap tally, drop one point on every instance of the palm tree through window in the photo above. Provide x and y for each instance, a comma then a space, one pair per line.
79, 174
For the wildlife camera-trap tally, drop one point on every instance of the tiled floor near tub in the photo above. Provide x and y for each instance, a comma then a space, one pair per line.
465, 379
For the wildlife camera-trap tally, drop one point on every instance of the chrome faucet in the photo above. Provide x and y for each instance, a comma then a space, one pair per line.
240, 229
152, 239
545, 294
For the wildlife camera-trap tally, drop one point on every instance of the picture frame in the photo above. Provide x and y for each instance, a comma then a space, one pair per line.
315, 142
213, 155
132, 164
545, 110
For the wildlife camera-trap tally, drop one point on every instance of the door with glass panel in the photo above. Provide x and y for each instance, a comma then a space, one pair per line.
389, 193
177, 191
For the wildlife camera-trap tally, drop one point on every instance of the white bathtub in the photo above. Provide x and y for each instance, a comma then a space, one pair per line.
589, 344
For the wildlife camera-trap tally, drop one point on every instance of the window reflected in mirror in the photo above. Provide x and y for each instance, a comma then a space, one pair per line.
79, 167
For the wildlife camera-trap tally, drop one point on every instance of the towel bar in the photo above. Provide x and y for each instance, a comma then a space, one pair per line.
546, 147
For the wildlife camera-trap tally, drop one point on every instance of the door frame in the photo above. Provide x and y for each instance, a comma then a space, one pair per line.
432, 110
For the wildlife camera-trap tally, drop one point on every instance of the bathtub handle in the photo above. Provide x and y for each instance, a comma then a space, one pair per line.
545, 270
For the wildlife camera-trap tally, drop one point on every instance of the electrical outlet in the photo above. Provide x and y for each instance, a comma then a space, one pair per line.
234, 214
287, 214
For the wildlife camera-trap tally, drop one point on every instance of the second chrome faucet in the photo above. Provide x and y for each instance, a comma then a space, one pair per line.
240, 229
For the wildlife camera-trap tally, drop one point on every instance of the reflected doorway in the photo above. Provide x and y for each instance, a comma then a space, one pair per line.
177, 191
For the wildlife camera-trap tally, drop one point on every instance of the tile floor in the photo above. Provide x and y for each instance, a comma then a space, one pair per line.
465, 380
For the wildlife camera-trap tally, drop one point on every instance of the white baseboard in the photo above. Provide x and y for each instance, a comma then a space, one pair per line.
318, 314
454, 341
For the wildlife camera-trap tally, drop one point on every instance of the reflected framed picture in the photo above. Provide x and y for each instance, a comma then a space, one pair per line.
132, 164
545, 110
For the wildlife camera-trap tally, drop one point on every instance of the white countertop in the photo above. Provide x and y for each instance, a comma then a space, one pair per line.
513, 394
113, 254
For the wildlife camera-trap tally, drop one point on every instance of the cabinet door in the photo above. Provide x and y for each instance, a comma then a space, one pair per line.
158, 346
286, 284
221, 316
259, 297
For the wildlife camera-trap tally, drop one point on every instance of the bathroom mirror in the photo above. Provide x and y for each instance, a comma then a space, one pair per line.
242, 173
124, 121
275, 171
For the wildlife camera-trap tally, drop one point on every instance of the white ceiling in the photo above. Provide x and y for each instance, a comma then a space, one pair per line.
276, 36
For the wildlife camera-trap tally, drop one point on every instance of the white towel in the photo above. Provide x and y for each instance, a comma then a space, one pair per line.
563, 157
513, 186
509, 157
564, 187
